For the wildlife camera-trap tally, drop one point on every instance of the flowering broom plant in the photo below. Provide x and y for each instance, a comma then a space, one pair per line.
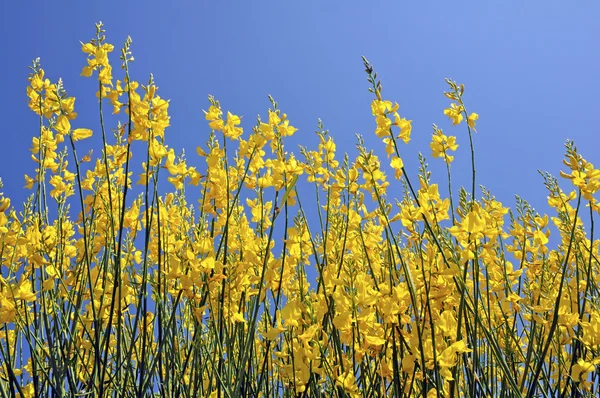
267, 273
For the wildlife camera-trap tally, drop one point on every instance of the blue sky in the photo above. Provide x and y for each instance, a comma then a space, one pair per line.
530, 70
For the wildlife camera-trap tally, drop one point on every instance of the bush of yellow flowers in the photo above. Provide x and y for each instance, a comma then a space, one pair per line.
112, 286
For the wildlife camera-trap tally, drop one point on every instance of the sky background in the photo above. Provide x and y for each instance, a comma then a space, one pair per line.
530, 71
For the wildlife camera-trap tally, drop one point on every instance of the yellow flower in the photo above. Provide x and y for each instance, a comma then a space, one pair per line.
213, 113
37, 81
62, 126
98, 59
24, 291
454, 113
374, 340
397, 165
581, 370
238, 317
291, 313
539, 238
230, 129
405, 128
7, 310
440, 144
383, 126
347, 381
59, 186
447, 323
285, 129
88, 48
471, 120
81, 134
273, 333
380, 108
4, 204
473, 222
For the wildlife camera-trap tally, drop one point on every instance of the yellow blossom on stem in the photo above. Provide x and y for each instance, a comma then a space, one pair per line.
441, 144
230, 128
81, 134
471, 120
454, 113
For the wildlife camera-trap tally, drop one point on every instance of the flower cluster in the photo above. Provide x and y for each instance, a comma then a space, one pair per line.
233, 283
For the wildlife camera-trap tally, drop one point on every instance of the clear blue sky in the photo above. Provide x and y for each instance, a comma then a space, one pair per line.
530, 70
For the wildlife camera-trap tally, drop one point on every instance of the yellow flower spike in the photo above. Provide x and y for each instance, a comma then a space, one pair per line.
98, 59
441, 144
